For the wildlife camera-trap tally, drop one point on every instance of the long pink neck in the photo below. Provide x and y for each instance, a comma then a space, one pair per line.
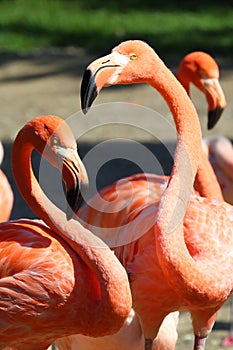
206, 182
107, 273
173, 254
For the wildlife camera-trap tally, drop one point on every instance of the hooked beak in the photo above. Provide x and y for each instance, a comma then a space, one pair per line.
88, 90
75, 177
102, 72
216, 101
213, 117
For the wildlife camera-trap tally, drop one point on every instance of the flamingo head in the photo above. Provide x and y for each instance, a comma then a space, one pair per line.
202, 70
54, 140
129, 62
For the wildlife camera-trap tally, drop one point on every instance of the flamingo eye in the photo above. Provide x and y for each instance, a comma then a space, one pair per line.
202, 73
133, 56
55, 141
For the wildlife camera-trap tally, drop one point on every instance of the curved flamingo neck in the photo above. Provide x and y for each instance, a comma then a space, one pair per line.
96, 255
172, 251
36, 199
186, 158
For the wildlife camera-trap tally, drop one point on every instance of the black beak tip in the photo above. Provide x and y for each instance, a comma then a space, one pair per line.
213, 117
85, 110
74, 202
88, 90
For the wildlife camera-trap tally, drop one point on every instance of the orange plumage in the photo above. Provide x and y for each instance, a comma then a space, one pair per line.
57, 278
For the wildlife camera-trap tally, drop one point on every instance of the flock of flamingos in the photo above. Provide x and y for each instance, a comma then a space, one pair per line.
64, 284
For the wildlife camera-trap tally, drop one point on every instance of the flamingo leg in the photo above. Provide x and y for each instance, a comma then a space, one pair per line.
148, 344
199, 343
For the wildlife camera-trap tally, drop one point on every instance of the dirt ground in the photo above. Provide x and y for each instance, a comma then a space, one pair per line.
49, 83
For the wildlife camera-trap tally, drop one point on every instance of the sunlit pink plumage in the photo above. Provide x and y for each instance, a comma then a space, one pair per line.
179, 276
6, 193
56, 277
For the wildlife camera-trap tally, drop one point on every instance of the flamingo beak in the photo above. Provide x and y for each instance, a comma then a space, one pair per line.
88, 90
76, 180
101, 72
216, 101
213, 117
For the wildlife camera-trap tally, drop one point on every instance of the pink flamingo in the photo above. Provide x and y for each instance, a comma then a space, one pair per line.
189, 71
202, 70
57, 278
183, 275
6, 194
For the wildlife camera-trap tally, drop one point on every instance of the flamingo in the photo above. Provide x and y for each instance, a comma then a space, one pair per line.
200, 69
179, 270
6, 193
57, 278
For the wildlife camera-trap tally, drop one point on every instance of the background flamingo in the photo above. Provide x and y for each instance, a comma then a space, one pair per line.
200, 69
6, 193
132, 62
56, 278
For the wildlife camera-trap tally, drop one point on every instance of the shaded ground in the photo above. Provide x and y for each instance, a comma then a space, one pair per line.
49, 83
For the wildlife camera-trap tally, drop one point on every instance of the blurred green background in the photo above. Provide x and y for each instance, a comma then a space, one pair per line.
171, 26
